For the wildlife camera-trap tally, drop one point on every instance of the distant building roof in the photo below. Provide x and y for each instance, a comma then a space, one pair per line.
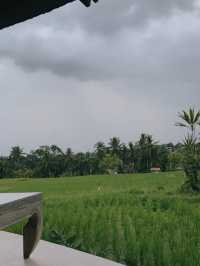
155, 169
15, 11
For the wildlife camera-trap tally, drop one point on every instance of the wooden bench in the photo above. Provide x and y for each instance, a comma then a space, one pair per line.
15, 207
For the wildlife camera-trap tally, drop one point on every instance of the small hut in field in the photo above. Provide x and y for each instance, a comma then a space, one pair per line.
155, 170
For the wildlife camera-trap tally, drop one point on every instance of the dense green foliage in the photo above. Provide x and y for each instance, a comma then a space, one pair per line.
115, 157
137, 219
191, 149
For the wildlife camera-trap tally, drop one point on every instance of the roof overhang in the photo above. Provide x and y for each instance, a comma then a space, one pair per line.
15, 11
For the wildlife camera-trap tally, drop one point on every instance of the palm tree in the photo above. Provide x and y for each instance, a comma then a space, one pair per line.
190, 120
56, 150
150, 145
16, 157
16, 153
69, 162
69, 152
146, 147
115, 145
100, 149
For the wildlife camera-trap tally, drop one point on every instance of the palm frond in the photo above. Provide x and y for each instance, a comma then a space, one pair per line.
185, 116
197, 117
190, 118
178, 124
189, 140
191, 114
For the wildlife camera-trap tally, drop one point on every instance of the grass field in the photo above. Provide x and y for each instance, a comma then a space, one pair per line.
139, 220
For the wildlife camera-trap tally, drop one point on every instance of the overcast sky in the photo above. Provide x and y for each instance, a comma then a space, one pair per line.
76, 75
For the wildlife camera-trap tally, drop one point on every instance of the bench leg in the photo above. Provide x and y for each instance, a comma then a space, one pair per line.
31, 233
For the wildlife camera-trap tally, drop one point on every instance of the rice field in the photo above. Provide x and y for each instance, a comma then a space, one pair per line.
138, 220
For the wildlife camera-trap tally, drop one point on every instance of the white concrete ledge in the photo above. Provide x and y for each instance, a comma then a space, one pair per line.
46, 254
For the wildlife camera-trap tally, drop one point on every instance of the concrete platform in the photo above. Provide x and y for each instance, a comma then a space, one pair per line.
46, 254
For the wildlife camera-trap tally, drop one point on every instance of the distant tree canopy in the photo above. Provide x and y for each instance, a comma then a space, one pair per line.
114, 157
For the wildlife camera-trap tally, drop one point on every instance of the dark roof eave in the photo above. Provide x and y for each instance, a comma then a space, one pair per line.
15, 11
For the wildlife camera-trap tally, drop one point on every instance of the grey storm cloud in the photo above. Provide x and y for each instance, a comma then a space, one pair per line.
104, 42
110, 16
77, 75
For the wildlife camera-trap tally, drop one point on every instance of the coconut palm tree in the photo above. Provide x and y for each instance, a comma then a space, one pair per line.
100, 149
190, 120
115, 145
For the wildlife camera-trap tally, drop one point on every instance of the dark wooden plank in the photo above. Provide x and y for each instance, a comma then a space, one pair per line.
32, 232
12, 12
18, 207
15, 207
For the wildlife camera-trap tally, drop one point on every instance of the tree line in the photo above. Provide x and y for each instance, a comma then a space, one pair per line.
111, 158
